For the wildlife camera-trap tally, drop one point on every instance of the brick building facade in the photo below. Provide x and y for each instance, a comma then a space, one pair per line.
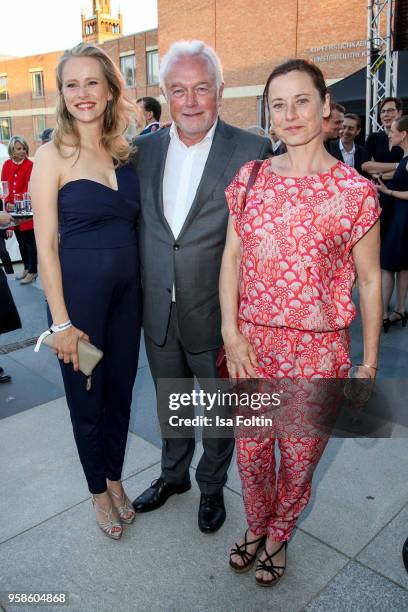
250, 40
27, 84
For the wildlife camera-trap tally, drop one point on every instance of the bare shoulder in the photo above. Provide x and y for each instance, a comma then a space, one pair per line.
47, 154
56, 163
48, 163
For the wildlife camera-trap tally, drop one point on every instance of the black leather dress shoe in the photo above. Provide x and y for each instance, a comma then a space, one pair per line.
211, 514
4, 378
157, 495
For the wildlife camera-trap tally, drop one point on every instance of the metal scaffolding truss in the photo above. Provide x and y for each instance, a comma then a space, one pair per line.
381, 60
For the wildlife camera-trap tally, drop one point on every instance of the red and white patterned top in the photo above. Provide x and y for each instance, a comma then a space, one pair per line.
296, 238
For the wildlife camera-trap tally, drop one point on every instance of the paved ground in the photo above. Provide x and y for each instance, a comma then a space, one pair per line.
345, 555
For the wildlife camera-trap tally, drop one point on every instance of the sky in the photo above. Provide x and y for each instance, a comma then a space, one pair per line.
53, 25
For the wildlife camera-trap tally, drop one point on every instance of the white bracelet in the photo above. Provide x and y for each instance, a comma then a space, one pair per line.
61, 327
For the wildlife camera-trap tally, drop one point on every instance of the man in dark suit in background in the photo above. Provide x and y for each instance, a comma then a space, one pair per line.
46, 135
183, 171
345, 149
332, 125
278, 147
152, 112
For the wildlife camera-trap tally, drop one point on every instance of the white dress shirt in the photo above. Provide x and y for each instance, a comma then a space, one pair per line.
348, 156
182, 175
276, 144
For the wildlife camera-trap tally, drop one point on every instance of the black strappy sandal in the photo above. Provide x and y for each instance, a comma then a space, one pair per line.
267, 565
401, 318
247, 557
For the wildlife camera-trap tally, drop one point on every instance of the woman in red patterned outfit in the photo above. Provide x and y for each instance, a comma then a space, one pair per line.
295, 245
17, 172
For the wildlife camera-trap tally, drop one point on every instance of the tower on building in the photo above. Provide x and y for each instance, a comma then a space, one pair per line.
101, 26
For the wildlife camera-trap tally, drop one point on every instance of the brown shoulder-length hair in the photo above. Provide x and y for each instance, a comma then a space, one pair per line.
118, 112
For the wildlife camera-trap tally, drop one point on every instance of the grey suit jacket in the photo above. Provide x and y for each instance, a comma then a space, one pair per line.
192, 260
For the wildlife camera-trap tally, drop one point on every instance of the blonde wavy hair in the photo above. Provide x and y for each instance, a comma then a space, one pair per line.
118, 113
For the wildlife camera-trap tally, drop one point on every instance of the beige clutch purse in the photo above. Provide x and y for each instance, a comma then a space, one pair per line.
88, 355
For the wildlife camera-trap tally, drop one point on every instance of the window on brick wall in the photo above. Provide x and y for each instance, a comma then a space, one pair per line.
5, 128
37, 84
152, 61
128, 69
3, 87
40, 123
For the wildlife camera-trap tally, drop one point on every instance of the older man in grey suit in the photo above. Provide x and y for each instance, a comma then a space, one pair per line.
183, 172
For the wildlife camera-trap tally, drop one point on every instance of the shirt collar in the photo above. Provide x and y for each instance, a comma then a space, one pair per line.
342, 149
276, 144
208, 137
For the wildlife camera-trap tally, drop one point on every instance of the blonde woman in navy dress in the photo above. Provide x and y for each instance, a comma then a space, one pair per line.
85, 190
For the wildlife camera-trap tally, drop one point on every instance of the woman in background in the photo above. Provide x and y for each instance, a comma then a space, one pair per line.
394, 241
382, 159
17, 171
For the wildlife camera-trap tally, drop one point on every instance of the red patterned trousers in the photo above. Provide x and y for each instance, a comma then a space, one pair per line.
273, 502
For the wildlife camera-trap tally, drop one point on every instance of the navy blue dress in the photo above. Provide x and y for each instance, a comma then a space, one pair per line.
377, 147
101, 283
394, 240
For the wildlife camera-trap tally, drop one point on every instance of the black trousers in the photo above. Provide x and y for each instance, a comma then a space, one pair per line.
28, 249
4, 254
172, 360
102, 294
9, 317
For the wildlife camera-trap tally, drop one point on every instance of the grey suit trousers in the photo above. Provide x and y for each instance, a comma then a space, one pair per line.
172, 360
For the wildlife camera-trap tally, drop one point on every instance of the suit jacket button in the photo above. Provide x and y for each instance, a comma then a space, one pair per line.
176, 247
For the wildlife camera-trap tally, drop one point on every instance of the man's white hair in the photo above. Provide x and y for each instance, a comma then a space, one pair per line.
190, 48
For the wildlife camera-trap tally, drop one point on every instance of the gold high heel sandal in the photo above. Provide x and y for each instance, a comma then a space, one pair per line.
125, 510
110, 524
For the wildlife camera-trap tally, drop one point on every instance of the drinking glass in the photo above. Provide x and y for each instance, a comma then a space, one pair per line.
27, 202
4, 189
18, 203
